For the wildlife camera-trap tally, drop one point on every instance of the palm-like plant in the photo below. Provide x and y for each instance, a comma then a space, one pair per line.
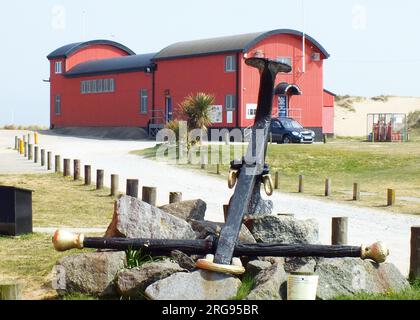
196, 108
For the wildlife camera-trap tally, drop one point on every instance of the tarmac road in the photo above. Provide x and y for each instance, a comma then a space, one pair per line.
365, 225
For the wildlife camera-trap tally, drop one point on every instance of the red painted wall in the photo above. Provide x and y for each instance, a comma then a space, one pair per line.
310, 82
120, 108
192, 75
94, 52
328, 113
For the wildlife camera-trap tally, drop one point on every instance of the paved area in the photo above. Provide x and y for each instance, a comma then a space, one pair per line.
365, 225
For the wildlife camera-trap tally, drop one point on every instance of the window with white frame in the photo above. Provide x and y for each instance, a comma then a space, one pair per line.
58, 67
285, 60
144, 101
57, 105
230, 102
230, 64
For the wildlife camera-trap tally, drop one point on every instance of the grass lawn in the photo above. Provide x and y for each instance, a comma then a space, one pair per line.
375, 166
57, 202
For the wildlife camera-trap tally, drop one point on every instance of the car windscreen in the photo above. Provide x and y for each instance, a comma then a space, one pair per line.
291, 124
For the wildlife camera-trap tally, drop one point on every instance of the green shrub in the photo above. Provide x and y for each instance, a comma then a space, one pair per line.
414, 119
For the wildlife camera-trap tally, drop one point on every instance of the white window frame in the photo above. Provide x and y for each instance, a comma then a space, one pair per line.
144, 101
230, 63
58, 67
230, 102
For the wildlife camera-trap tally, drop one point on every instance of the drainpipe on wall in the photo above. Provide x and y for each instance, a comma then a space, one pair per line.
153, 94
238, 64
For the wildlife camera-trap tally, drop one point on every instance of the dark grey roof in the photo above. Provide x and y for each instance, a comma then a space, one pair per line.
329, 92
238, 43
67, 50
113, 65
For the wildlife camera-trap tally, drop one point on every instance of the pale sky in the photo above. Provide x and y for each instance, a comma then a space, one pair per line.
374, 44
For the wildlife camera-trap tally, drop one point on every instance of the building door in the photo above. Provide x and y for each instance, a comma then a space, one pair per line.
283, 106
169, 109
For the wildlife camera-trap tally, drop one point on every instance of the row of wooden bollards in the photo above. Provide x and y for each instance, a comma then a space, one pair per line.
327, 190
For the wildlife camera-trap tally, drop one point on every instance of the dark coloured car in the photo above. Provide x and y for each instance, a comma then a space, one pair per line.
288, 130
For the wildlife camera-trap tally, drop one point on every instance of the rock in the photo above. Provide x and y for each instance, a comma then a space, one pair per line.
137, 219
284, 230
272, 260
133, 282
198, 285
258, 206
209, 228
254, 267
349, 276
91, 273
193, 209
183, 260
306, 265
270, 284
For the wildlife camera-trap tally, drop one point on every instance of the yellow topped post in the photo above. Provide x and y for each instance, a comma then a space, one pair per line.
36, 137
21, 146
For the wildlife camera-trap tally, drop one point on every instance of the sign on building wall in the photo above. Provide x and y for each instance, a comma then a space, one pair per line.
216, 114
251, 111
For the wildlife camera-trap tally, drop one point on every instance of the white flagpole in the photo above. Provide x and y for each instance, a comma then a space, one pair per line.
303, 38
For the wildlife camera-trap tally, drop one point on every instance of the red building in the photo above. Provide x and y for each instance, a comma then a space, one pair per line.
103, 83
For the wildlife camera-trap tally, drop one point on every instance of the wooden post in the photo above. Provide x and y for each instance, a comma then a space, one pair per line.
10, 292
29, 138
30, 151
277, 180
301, 187
49, 155
149, 195
36, 154
227, 138
57, 164
218, 168
66, 167
21, 147
356, 192
26, 149
339, 231
415, 253
114, 184
325, 138
43, 157
175, 197
36, 137
99, 179
76, 170
327, 187
391, 197
271, 138
132, 189
88, 175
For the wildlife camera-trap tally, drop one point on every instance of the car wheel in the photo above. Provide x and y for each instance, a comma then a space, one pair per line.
287, 140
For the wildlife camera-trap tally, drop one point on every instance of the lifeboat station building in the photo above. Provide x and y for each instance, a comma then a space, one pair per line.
102, 83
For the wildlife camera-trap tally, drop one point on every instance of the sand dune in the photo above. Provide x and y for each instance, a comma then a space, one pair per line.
353, 124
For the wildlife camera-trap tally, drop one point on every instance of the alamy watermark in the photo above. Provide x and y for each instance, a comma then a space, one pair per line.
58, 19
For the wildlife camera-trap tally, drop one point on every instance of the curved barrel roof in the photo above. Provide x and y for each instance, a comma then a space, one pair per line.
67, 50
113, 65
238, 43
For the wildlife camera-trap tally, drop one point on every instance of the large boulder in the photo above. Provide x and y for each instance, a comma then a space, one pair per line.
301, 265
133, 282
209, 228
90, 273
137, 219
193, 209
254, 267
198, 285
349, 276
284, 230
270, 284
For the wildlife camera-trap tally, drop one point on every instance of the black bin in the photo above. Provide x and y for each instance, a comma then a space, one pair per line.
15, 211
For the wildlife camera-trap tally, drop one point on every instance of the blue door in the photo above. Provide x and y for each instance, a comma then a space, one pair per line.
169, 109
283, 105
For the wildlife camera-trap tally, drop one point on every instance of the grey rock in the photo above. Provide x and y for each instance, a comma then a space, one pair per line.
209, 228
137, 219
297, 264
90, 273
133, 282
270, 284
349, 276
198, 285
258, 206
284, 230
273, 260
254, 267
193, 209
183, 260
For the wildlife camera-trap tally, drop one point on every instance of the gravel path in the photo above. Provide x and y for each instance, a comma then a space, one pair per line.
365, 225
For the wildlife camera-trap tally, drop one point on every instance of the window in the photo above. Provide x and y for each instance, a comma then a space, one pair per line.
97, 86
144, 101
230, 102
57, 105
230, 64
58, 67
286, 60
